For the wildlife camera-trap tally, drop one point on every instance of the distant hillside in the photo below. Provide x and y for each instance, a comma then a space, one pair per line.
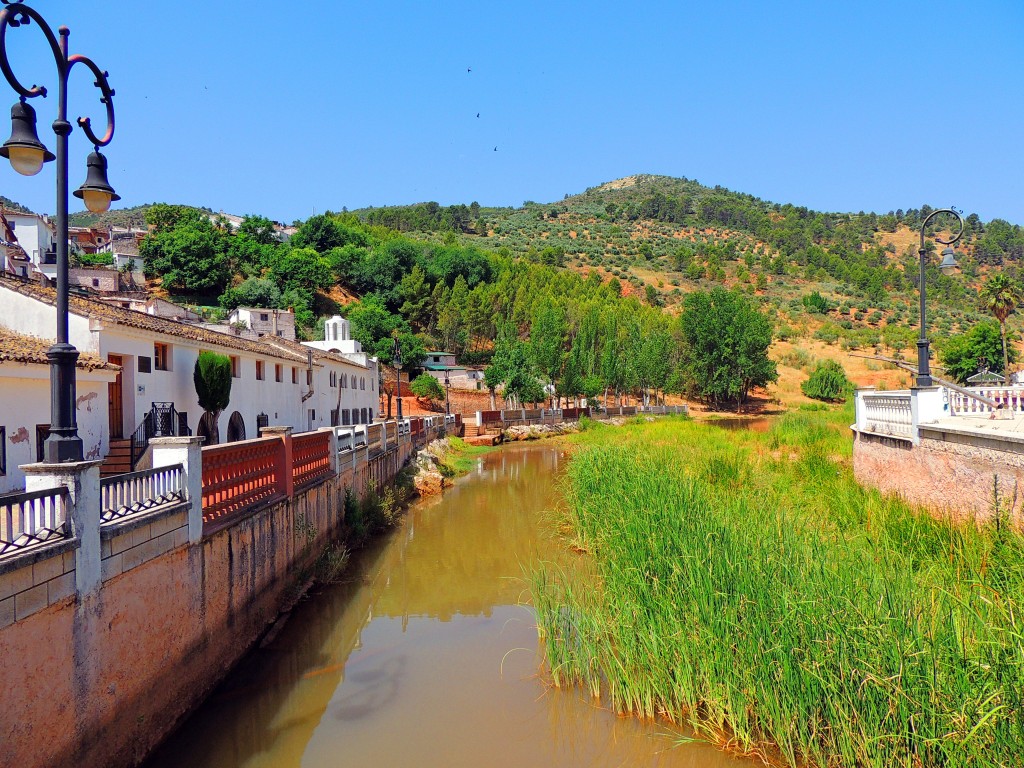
661, 237
431, 217
9, 204
118, 217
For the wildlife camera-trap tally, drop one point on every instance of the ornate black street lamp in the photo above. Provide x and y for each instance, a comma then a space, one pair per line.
948, 266
396, 358
447, 386
27, 155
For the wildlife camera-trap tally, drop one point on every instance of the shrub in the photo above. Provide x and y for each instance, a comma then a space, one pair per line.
816, 303
828, 382
426, 387
828, 333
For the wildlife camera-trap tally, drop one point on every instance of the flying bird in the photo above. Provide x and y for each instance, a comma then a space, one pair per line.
469, 69
478, 114
495, 149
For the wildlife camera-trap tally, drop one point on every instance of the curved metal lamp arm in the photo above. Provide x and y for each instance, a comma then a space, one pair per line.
933, 214
18, 15
107, 98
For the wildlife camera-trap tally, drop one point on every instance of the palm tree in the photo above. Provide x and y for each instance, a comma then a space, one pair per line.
1000, 295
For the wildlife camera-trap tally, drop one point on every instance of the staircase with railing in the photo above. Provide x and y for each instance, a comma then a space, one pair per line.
162, 420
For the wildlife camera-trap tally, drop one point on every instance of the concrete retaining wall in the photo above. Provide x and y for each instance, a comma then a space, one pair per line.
950, 472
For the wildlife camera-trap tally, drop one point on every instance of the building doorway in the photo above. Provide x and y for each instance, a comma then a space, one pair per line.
236, 428
115, 401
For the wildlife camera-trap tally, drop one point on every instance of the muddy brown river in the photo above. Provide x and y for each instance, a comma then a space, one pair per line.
426, 654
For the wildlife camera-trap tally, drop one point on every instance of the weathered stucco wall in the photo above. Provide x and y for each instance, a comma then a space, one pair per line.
948, 472
100, 680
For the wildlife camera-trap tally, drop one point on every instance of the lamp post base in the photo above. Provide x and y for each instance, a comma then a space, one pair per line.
924, 374
61, 449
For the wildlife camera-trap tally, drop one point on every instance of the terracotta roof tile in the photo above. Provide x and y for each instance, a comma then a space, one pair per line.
111, 313
18, 348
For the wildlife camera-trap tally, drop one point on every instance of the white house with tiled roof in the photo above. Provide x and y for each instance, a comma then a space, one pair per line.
38, 237
25, 404
276, 381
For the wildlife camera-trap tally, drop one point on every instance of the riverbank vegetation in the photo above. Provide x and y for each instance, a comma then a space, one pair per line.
460, 457
744, 584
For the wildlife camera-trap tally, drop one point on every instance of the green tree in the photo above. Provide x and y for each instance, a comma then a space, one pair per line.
212, 379
162, 217
323, 232
415, 293
1000, 295
450, 323
261, 229
965, 354
547, 337
190, 256
302, 268
898, 337
816, 303
374, 326
727, 340
252, 292
827, 382
426, 387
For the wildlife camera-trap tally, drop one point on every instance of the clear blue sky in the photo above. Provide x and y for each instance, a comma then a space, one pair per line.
283, 108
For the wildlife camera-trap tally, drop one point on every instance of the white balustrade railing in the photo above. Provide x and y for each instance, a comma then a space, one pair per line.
28, 519
142, 491
1007, 398
887, 413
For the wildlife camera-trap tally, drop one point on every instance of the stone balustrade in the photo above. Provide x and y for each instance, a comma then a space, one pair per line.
886, 413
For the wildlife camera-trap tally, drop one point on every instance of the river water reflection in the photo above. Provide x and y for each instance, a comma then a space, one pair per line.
426, 655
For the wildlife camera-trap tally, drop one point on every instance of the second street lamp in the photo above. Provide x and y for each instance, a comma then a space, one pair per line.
27, 155
447, 386
948, 266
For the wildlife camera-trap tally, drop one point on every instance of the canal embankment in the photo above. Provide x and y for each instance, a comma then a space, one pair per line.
166, 577
743, 583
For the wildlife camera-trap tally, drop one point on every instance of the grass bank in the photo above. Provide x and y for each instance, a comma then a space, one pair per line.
460, 458
742, 583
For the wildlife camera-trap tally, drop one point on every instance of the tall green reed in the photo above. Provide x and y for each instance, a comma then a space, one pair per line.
745, 585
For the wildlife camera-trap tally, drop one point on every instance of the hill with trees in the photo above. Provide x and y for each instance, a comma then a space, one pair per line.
585, 294
134, 217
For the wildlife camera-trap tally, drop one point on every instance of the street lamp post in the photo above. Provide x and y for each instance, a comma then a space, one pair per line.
447, 386
948, 265
396, 358
27, 155
380, 388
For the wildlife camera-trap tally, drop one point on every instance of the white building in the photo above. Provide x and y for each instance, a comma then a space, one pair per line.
25, 404
338, 339
439, 363
276, 381
38, 237
265, 322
